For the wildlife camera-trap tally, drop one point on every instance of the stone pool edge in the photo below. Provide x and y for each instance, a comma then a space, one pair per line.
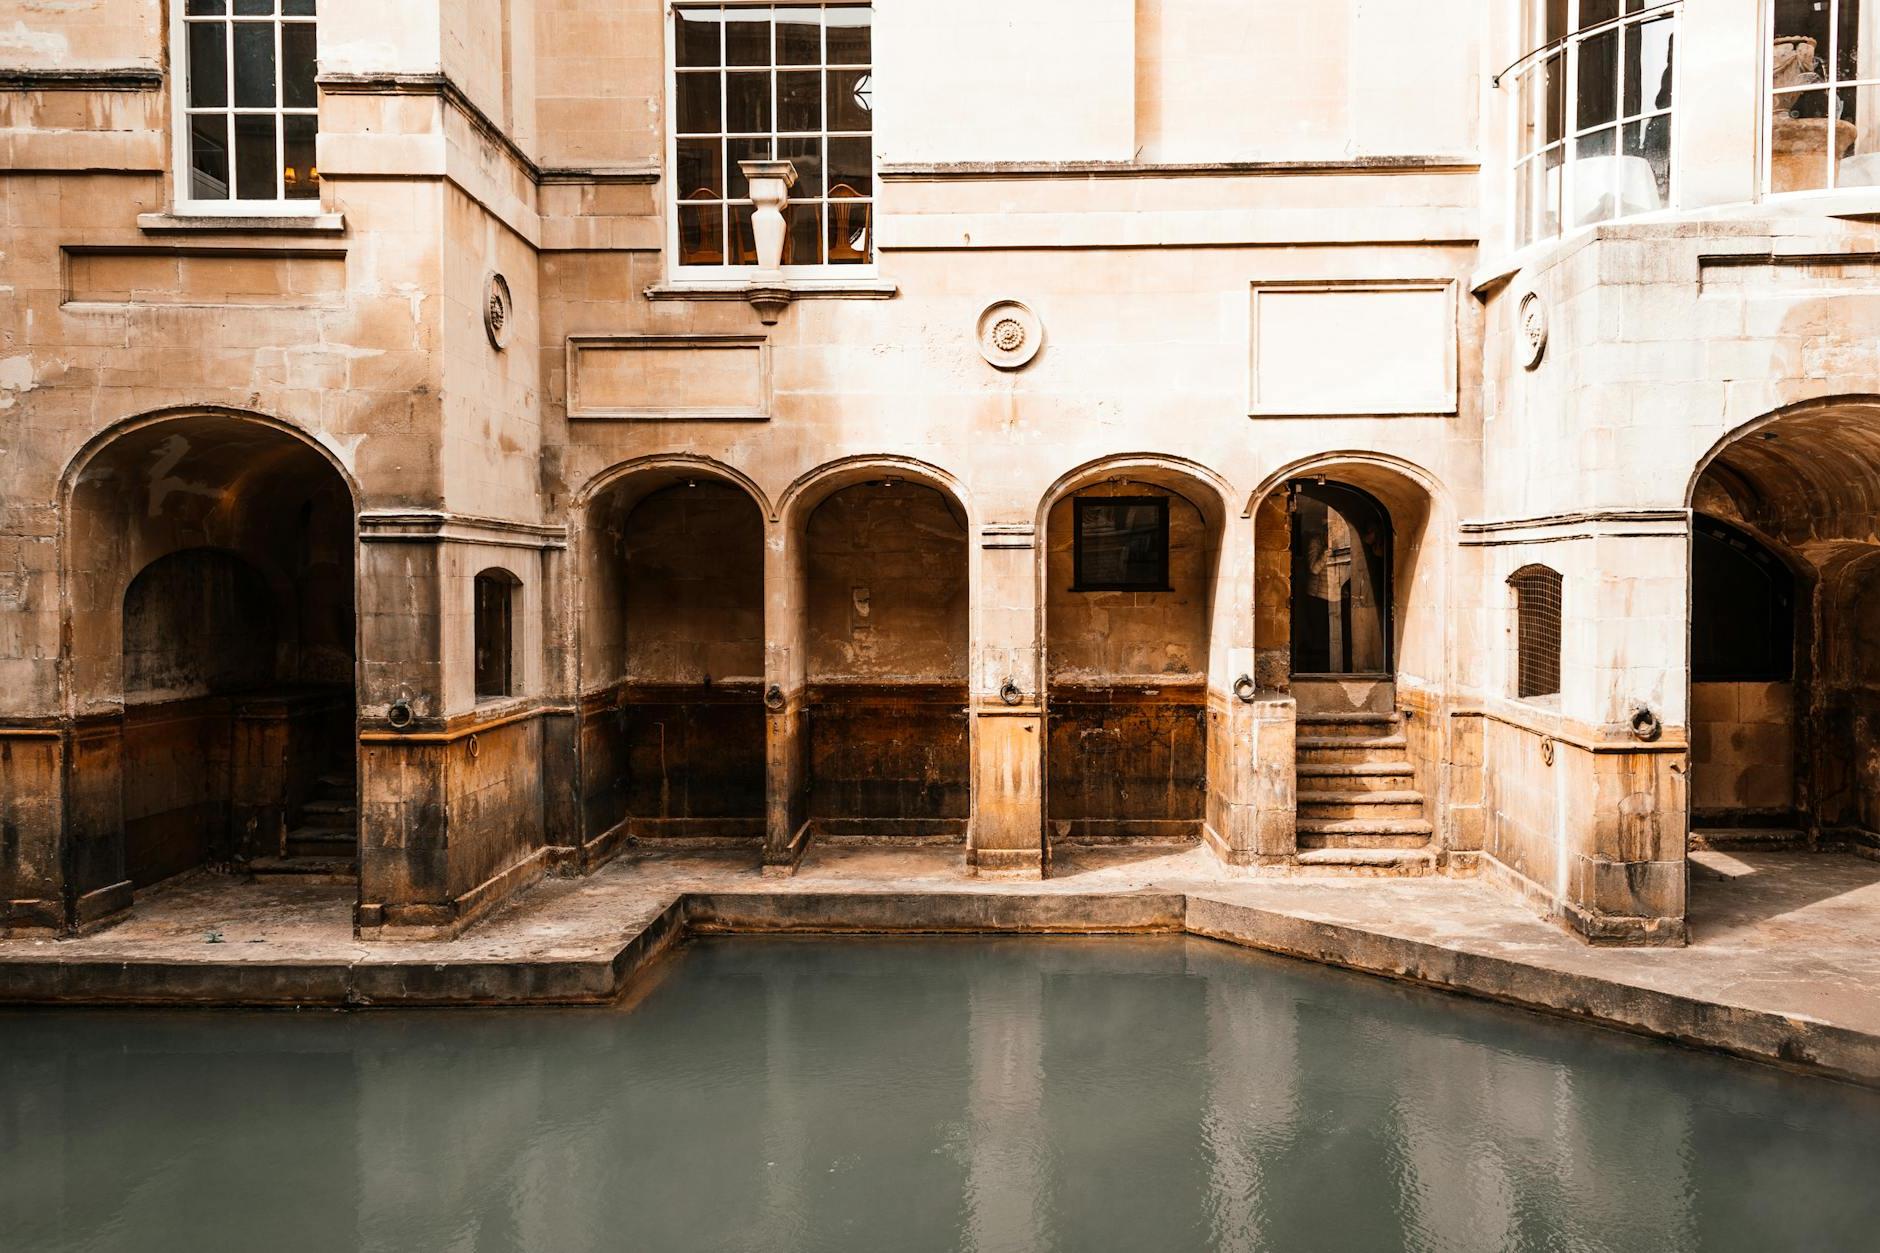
606, 973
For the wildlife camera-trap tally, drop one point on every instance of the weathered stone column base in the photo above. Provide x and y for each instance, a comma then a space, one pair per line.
449, 919
783, 863
1006, 863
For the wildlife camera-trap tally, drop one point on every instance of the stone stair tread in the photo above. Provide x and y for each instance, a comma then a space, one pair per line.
1365, 857
1353, 769
1361, 798
1365, 719
337, 867
1351, 741
1364, 826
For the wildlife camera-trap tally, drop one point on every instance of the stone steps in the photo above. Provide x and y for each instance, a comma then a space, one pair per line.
1367, 805
1354, 776
1329, 749
1354, 725
1364, 833
333, 870
1395, 862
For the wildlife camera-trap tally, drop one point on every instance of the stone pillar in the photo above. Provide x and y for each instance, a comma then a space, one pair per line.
1008, 732
786, 780
1252, 806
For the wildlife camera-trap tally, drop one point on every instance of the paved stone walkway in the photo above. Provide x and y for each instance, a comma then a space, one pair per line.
1784, 963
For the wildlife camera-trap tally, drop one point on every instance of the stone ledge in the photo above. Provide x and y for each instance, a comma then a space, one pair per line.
1517, 974
237, 224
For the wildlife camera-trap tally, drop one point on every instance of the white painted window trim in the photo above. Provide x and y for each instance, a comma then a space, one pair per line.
1832, 88
705, 278
182, 166
1532, 58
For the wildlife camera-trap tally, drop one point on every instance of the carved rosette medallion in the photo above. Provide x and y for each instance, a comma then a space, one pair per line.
1533, 330
498, 310
1009, 334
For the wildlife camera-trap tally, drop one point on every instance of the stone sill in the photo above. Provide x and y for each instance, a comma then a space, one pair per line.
232, 224
799, 289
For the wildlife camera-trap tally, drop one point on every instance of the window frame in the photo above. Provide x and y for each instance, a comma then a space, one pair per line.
182, 163
1831, 89
1530, 65
511, 587
725, 274
1080, 505
1783, 602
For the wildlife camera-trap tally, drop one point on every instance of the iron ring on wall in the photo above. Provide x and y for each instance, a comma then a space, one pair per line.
1645, 725
1010, 693
1244, 688
773, 699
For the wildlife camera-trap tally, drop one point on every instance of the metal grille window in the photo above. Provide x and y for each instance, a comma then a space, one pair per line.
249, 109
1592, 111
1824, 94
1537, 630
773, 82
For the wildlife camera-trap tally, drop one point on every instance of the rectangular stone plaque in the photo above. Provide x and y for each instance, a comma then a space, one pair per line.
669, 377
1353, 349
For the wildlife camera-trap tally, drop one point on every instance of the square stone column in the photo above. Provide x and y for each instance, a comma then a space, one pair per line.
1007, 834
786, 779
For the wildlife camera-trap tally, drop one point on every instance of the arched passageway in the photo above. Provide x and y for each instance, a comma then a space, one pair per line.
210, 565
884, 603
672, 659
1785, 631
1131, 566
1349, 618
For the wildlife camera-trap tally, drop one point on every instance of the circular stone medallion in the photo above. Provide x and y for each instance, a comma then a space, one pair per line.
1010, 334
1533, 328
498, 311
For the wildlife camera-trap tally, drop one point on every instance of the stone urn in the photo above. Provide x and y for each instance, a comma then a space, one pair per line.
1798, 146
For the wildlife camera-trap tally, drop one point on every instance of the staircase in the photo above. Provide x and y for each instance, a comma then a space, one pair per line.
1359, 809
324, 848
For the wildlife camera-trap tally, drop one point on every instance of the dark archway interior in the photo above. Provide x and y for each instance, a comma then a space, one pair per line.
215, 557
1126, 667
1785, 629
673, 660
885, 603
1342, 550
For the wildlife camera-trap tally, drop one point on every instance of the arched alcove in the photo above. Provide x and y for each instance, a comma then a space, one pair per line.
209, 567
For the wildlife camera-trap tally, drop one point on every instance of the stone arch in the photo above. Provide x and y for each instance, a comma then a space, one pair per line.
200, 763
1793, 760
1138, 681
669, 559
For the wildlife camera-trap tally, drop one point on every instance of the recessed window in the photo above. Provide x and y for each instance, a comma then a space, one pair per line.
1742, 608
1824, 95
1537, 631
789, 82
250, 113
1121, 544
1592, 105
495, 633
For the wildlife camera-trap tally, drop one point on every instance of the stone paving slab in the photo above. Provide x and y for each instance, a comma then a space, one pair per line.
1784, 964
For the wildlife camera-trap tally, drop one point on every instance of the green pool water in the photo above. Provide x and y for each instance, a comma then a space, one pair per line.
1023, 1094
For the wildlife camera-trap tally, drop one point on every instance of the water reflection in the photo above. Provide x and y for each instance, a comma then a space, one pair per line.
984, 1095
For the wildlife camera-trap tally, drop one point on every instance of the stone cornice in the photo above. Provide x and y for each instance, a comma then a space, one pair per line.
446, 88
981, 171
81, 78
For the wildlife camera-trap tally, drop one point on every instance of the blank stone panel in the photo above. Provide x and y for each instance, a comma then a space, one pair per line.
1353, 349
674, 377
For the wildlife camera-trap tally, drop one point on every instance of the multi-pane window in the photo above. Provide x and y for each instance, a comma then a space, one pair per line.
1592, 105
1537, 631
773, 82
250, 112
1120, 544
494, 630
1824, 103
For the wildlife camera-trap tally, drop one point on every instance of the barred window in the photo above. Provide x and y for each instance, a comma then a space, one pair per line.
495, 633
1537, 630
1742, 608
773, 82
250, 112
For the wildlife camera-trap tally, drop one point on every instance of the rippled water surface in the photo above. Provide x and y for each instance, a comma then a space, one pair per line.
1153, 1095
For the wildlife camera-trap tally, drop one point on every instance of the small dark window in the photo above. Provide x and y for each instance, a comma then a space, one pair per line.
1742, 608
495, 626
1537, 630
1121, 544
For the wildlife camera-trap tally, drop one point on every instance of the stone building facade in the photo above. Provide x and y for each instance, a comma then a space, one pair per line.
1366, 437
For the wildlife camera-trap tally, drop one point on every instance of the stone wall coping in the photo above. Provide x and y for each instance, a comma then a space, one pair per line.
949, 171
242, 224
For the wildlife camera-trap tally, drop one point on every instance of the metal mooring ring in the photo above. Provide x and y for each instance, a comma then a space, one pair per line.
1645, 725
1244, 688
773, 699
1547, 749
400, 715
476, 749
1010, 693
